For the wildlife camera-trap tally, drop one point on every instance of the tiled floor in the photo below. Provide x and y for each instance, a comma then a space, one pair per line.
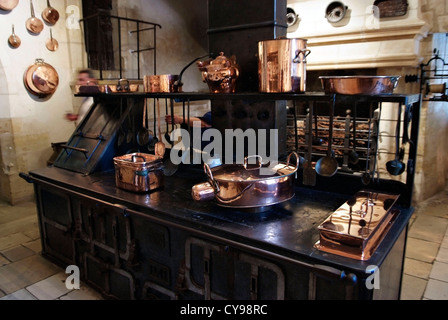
26, 275
426, 264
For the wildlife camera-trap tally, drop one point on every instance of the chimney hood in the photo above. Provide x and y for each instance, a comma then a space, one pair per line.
363, 38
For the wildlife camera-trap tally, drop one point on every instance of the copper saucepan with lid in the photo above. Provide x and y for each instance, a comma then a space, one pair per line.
248, 186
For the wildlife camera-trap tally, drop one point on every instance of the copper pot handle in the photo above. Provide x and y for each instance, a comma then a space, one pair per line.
255, 156
297, 160
211, 180
216, 188
235, 197
305, 52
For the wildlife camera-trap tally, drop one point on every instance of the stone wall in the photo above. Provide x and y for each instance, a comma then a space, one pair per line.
28, 125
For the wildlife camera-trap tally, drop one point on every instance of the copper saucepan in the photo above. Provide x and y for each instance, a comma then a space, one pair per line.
50, 14
8, 5
33, 24
14, 39
52, 44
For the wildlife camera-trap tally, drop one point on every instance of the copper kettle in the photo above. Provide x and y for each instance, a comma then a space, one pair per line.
220, 74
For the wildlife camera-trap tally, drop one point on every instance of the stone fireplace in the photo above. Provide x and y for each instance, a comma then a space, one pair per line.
363, 42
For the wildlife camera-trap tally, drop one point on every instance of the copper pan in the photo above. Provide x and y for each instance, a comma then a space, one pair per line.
8, 5
14, 39
351, 85
41, 79
33, 24
52, 44
50, 14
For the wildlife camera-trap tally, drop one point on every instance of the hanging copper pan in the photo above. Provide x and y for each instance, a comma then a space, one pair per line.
14, 40
33, 24
41, 79
50, 14
8, 5
52, 44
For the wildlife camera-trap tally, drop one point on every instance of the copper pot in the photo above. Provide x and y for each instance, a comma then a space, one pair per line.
244, 187
138, 172
282, 65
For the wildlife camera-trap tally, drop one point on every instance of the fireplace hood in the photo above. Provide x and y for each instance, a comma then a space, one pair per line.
363, 38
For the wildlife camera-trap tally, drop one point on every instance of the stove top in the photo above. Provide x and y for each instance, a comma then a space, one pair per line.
357, 227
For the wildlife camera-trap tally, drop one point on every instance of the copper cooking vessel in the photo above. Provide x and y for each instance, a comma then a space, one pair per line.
220, 74
14, 40
41, 79
50, 14
8, 5
282, 65
138, 172
247, 186
351, 85
34, 24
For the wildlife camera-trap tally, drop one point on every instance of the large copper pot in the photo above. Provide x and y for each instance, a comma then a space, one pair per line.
248, 186
282, 65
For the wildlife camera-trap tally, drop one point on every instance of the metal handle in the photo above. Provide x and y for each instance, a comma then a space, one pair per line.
137, 156
120, 87
297, 160
64, 146
254, 156
211, 180
235, 197
394, 81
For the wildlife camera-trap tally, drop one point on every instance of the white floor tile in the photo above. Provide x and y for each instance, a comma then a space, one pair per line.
21, 294
439, 271
50, 288
436, 290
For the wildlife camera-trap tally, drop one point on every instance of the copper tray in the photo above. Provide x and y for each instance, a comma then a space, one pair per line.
357, 227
